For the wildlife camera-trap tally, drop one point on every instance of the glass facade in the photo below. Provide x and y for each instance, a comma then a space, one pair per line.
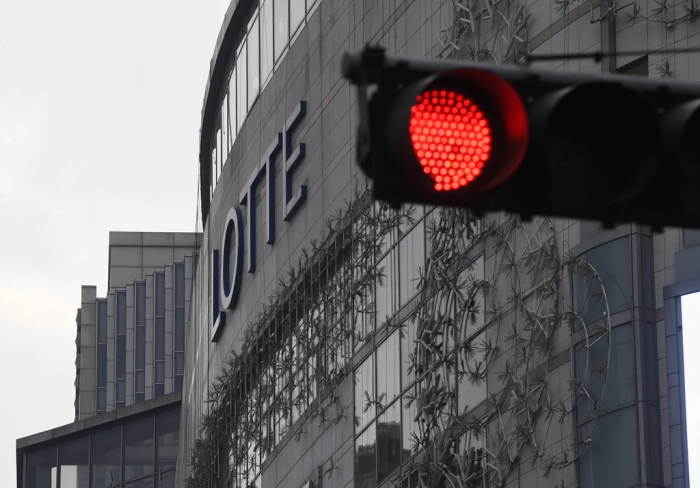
268, 28
138, 453
159, 339
101, 356
140, 344
120, 363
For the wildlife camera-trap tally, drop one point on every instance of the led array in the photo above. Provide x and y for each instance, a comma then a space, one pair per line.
451, 137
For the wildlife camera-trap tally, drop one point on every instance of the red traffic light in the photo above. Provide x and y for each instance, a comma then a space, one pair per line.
451, 138
459, 132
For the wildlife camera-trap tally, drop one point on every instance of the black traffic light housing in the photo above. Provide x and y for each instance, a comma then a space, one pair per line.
608, 148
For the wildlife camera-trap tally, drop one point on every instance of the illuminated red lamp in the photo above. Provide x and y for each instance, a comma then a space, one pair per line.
451, 138
468, 128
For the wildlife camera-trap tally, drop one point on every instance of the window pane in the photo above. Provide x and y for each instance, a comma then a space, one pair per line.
147, 483
612, 263
101, 365
102, 321
160, 371
410, 428
233, 127
179, 362
121, 356
388, 373
611, 459
138, 448
388, 442
140, 347
253, 64
386, 289
471, 377
140, 303
179, 285
180, 329
242, 103
167, 428
412, 257
365, 459
364, 394
41, 468
105, 457
590, 370
225, 138
160, 338
281, 26
73, 458
121, 312
408, 351
266, 29
297, 13
160, 293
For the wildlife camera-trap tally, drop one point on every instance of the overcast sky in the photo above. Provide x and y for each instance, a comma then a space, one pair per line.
100, 105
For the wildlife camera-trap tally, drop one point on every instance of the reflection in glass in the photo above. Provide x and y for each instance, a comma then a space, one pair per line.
253, 64
297, 12
281, 26
619, 385
408, 350
364, 394
410, 428
389, 441
388, 374
167, 427
143, 483
232, 125
241, 94
225, 137
412, 259
41, 468
266, 56
73, 457
105, 457
611, 458
365, 459
471, 384
612, 263
386, 288
138, 448
165, 480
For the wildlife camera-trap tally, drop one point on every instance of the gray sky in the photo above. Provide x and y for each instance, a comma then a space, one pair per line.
100, 104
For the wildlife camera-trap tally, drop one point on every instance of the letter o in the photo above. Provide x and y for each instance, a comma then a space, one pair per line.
230, 288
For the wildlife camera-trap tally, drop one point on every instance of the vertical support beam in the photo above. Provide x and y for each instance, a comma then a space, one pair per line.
607, 36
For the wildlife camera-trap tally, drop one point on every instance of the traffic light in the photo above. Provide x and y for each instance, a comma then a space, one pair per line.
609, 148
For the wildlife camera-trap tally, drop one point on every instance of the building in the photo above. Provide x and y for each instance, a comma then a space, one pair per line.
332, 341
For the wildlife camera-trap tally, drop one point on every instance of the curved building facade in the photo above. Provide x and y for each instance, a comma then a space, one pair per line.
330, 340
335, 341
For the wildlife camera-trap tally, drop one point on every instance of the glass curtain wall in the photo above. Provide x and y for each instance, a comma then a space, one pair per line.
268, 28
140, 453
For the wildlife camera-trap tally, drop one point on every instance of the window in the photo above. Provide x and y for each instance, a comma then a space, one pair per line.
138, 448
179, 349
611, 459
281, 26
121, 350
611, 262
101, 356
159, 383
140, 344
253, 64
